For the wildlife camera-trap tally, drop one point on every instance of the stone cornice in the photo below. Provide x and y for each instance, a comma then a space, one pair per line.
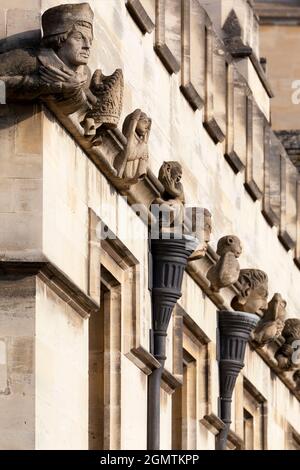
277, 14
64, 287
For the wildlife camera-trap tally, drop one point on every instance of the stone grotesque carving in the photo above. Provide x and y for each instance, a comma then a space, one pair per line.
203, 235
57, 71
227, 269
286, 355
254, 292
271, 325
176, 220
108, 107
171, 202
132, 162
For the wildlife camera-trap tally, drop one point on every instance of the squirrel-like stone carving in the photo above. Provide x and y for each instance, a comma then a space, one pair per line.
227, 269
271, 325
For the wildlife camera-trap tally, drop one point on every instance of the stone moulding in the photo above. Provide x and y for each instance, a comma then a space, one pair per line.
140, 16
271, 150
57, 281
161, 47
192, 90
277, 14
257, 122
215, 425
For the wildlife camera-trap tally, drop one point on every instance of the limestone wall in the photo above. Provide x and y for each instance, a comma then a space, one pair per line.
51, 191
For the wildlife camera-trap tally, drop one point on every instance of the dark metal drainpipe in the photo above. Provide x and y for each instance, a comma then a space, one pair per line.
169, 260
234, 329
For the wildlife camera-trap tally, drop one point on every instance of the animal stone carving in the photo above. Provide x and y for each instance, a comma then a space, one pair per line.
287, 355
203, 234
254, 292
227, 269
271, 325
169, 208
56, 72
132, 162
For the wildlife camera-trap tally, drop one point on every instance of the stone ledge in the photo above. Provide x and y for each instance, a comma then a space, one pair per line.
275, 13
261, 75
140, 16
214, 424
147, 363
57, 281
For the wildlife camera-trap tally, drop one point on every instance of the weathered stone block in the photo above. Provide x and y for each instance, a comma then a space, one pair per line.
2, 23
29, 131
6, 195
22, 20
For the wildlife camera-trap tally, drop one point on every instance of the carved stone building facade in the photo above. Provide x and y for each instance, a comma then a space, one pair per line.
109, 106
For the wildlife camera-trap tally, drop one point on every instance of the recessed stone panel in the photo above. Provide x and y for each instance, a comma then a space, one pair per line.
168, 33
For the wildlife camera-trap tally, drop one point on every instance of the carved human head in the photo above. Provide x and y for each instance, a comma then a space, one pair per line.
170, 175
68, 30
143, 125
254, 292
229, 244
